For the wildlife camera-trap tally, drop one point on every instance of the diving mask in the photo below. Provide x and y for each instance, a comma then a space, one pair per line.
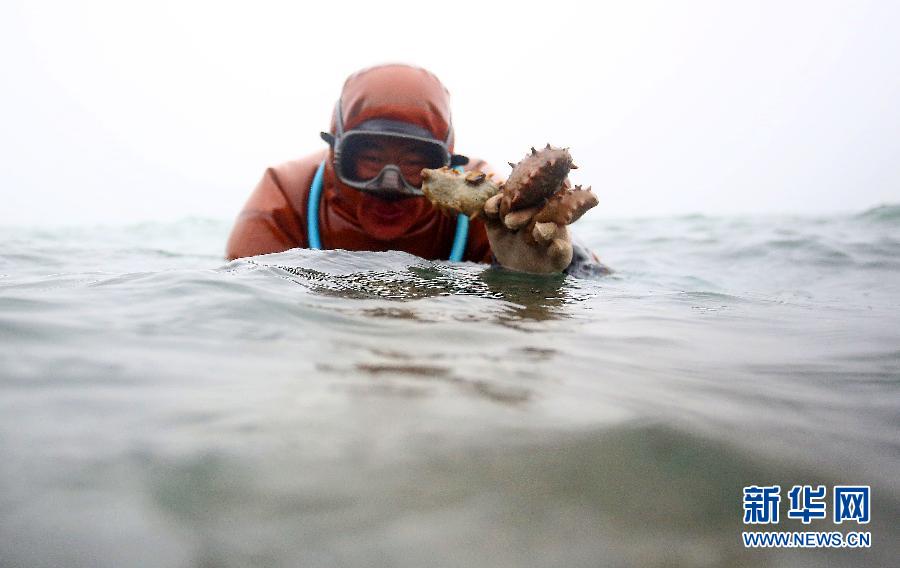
393, 180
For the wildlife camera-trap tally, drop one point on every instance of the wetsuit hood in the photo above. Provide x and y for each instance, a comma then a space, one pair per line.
401, 93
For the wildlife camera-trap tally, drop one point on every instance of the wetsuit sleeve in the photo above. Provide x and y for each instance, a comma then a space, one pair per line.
585, 263
267, 223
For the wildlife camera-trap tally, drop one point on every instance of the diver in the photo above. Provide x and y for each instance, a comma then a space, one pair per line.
363, 193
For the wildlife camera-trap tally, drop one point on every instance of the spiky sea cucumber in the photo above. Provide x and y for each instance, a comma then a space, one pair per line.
535, 178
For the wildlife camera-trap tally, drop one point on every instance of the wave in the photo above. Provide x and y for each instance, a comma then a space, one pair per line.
888, 212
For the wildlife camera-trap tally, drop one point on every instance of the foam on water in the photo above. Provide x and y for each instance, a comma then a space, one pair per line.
161, 407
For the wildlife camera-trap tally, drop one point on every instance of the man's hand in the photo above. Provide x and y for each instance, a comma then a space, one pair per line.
519, 244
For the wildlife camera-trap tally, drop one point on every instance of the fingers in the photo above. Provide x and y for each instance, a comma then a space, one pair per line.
560, 252
551, 238
527, 250
544, 232
518, 219
556, 239
492, 206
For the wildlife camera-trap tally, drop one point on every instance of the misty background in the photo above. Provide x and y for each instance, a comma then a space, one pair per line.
129, 111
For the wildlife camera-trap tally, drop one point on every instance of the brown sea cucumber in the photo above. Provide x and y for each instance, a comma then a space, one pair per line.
453, 192
535, 178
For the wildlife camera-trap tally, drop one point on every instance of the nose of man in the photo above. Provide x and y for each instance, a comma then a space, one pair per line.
390, 179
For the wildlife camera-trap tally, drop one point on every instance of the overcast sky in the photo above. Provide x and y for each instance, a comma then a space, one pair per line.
123, 111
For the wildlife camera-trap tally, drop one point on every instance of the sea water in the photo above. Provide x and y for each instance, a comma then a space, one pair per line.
160, 406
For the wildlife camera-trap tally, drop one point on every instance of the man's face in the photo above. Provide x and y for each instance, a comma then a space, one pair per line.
376, 152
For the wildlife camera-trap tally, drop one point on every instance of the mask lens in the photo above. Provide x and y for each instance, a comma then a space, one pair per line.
411, 165
364, 159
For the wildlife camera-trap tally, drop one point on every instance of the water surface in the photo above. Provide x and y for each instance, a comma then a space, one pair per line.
161, 407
